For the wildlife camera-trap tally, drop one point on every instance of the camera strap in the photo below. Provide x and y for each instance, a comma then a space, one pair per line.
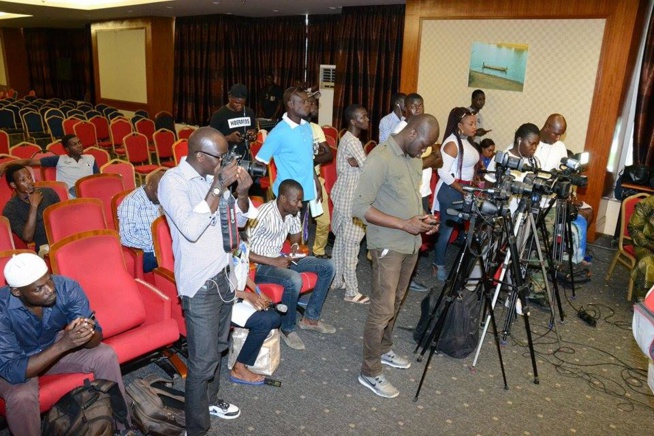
228, 223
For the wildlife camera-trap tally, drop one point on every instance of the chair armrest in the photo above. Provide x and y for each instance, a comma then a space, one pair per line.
164, 281
134, 261
156, 303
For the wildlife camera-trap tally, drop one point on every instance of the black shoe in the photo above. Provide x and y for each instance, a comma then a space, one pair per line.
417, 287
539, 302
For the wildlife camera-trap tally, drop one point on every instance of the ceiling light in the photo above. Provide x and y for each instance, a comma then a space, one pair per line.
9, 16
85, 5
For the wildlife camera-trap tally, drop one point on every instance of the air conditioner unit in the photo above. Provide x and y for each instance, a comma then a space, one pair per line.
327, 81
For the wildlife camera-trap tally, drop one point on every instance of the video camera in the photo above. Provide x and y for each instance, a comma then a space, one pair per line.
255, 169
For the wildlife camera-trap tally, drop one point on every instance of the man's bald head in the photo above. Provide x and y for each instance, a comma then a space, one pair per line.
554, 128
205, 146
152, 185
420, 132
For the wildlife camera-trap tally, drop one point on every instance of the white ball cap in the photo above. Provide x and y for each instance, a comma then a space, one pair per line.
24, 269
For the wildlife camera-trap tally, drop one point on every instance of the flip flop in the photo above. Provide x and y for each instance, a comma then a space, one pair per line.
358, 299
245, 382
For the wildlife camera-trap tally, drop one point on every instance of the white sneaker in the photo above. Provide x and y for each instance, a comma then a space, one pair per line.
379, 385
392, 359
224, 410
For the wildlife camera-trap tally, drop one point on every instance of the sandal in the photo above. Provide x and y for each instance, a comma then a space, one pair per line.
358, 299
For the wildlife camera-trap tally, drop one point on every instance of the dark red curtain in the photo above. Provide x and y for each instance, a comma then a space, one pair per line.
214, 52
644, 122
321, 36
59, 62
368, 60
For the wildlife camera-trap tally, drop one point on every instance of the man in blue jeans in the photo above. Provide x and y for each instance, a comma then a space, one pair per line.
277, 220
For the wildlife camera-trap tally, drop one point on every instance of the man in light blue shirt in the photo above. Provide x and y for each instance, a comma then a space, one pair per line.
190, 194
389, 122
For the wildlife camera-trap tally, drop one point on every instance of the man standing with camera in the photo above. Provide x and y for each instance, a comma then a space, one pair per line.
388, 201
236, 121
190, 194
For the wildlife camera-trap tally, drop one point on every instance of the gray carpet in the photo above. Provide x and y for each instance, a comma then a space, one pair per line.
595, 384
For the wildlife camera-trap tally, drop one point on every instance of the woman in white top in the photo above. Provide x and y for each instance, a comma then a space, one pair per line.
459, 161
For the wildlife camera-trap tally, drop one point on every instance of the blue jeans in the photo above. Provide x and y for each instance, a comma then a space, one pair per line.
259, 325
446, 196
208, 316
292, 282
149, 261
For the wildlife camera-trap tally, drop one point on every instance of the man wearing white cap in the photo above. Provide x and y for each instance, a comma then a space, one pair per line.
46, 327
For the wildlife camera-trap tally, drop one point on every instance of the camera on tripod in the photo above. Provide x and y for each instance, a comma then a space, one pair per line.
255, 169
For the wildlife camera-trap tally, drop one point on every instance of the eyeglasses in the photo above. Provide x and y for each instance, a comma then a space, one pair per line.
209, 154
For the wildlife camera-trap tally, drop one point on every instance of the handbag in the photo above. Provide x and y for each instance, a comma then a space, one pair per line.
269, 355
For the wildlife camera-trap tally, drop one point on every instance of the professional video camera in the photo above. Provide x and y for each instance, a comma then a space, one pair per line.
255, 169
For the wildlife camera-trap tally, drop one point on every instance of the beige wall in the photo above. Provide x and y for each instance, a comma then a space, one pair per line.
122, 65
561, 72
3, 72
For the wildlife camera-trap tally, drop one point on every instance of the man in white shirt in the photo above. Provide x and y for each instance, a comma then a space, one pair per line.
389, 122
551, 149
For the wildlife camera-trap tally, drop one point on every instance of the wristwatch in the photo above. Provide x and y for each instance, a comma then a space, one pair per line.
216, 191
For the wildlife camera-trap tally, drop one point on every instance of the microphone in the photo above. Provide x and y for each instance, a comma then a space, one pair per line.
279, 307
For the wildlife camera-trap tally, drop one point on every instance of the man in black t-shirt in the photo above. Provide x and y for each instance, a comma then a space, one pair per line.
271, 99
236, 121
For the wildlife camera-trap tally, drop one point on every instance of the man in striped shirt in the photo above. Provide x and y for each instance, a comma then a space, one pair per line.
277, 220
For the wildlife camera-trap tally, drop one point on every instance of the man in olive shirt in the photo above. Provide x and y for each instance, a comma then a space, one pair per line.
641, 230
388, 200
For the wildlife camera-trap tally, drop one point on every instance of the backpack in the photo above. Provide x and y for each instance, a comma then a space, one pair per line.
157, 408
92, 410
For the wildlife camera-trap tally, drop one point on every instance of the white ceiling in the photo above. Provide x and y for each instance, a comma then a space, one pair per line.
45, 16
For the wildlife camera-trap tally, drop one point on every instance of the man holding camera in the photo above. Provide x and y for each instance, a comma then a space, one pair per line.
388, 201
190, 194
236, 121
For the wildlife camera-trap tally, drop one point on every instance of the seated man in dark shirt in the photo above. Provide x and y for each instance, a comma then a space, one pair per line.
25, 210
46, 327
236, 121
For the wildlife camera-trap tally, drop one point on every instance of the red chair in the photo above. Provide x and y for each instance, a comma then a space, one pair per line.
102, 187
51, 387
328, 173
79, 215
185, 132
331, 132
369, 146
626, 254
24, 150
180, 150
138, 154
115, 202
124, 168
6, 237
163, 146
103, 136
119, 128
135, 316
56, 148
4, 142
5, 191
85, 131
101, 156
59, 187
146, 127
69, 125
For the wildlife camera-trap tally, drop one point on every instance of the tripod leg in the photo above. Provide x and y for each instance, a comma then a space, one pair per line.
570, 249
551, 266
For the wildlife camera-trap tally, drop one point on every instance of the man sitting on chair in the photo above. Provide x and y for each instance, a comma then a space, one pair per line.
277, 220
46, 327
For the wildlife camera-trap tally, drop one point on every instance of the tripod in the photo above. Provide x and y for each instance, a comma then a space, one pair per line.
470, 258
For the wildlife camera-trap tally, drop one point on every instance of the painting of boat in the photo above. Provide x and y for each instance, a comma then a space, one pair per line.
496, 68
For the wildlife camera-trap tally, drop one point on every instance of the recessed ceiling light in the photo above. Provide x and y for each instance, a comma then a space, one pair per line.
275, 10
9, 15
85, 5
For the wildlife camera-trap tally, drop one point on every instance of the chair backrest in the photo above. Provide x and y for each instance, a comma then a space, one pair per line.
103, 187
626, 210
115, 202
101, 127
76, 113
146, 126
7, 118
185, 132
73, 216
101, 107
164, 120
6, 238
59, 187
142, 113
163, 144
119, 128
124, 168
69, 125
4, 142
33, 122
330, 131
369, 146
55, 126
54, 112
180, 149
328, 171
136, 148
163, 243
100, 155
255, 147
24, 150
330, 141
85, 131
95, 260
49, 173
